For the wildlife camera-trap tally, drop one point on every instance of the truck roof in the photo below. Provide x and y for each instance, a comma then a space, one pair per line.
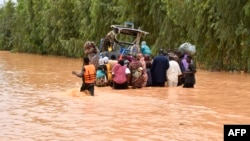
119, 29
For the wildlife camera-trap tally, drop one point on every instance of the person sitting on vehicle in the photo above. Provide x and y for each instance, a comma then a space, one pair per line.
145, 50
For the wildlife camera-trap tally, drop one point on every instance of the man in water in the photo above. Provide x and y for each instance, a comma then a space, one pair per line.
88, 75
173, 71
158, 69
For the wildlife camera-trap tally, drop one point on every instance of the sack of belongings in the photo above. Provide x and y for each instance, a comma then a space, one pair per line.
187, 48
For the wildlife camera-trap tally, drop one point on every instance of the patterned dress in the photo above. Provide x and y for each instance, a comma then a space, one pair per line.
145, 75
136, 70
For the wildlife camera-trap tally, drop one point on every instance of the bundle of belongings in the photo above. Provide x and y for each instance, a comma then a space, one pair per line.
187, 48
92, 52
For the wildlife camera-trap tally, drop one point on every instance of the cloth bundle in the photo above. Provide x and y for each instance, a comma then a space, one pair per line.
187, 48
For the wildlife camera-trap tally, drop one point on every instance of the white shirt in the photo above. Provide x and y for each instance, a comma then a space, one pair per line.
173, 71
127, 71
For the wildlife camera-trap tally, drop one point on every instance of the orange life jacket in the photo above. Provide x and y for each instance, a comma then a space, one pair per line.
89, 73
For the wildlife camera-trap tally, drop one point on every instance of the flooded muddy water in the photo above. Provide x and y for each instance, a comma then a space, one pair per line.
40, 100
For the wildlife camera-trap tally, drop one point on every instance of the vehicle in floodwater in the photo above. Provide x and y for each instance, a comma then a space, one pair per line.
122, 40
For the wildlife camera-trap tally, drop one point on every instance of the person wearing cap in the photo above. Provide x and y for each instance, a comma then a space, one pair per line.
145, 50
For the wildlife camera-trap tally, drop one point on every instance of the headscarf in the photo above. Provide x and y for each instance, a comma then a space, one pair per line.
143, 43
101, 62
105, 60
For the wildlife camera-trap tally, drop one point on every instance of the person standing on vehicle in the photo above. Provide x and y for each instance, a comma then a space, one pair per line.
88, 75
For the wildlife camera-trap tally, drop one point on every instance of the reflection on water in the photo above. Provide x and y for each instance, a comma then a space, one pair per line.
39, 100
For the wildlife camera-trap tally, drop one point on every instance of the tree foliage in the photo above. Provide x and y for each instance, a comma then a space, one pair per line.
219, 28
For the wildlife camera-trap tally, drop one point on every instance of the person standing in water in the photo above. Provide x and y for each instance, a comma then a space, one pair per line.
173, 72
121, 76
137, 72
189, 74
159, 69
88, 75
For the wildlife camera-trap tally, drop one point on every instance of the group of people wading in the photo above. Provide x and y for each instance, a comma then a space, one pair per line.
136, 70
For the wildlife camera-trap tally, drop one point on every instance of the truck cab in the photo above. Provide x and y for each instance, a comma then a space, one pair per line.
121, 40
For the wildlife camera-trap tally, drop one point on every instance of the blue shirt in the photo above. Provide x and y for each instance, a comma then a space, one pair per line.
100, 73
145, 50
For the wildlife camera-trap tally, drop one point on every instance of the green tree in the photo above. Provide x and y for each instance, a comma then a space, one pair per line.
219, 28
6, 26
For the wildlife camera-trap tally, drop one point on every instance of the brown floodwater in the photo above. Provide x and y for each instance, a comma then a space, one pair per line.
39, 101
